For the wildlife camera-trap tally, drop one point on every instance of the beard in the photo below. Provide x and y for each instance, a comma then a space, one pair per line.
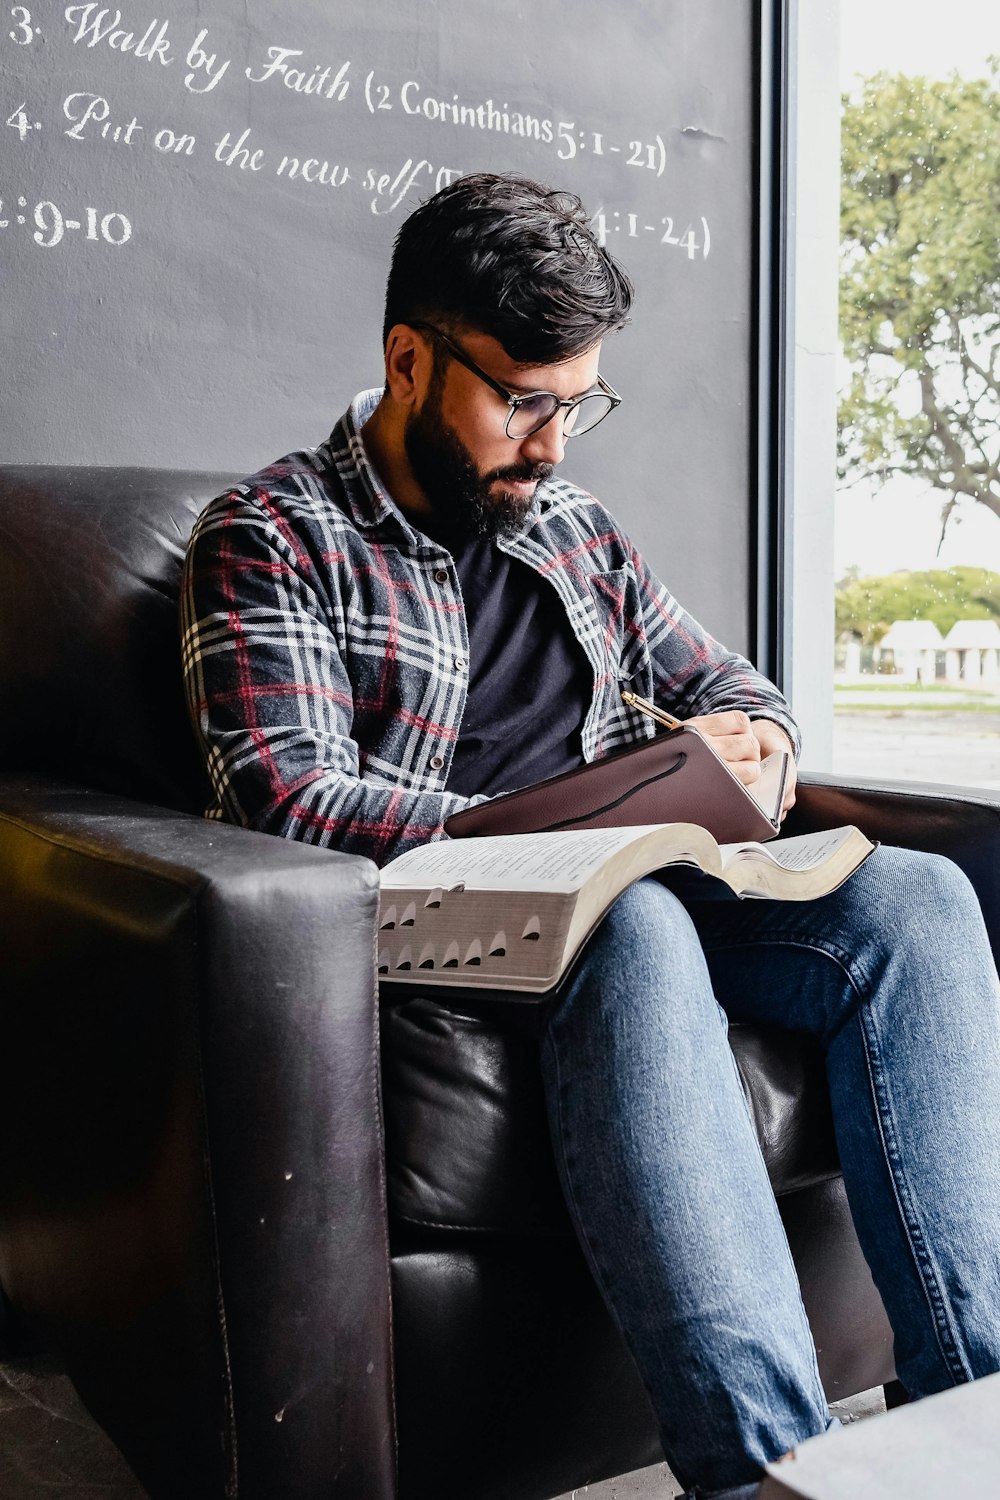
464, 500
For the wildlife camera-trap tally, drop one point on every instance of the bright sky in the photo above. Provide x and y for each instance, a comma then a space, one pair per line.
899, 526
917, 36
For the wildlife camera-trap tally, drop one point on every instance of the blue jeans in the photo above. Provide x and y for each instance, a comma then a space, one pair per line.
664, 1177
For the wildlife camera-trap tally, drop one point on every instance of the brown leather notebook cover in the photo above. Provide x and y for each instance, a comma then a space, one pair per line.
673, 778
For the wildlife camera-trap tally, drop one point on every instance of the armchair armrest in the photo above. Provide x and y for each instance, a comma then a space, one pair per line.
192, 1201
962, 823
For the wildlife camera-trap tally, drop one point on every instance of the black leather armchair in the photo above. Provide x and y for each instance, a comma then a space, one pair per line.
273, 1235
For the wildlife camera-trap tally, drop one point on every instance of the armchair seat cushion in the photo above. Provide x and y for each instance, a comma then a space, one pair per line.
466, 1134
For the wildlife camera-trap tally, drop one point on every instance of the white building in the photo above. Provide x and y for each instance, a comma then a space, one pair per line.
914, 645
972, 651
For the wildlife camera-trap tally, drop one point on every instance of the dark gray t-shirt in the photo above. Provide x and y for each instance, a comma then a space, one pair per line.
530, 683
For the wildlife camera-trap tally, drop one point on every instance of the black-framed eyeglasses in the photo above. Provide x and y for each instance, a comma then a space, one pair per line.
529, 413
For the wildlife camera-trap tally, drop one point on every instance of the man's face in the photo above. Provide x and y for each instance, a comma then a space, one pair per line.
480, 482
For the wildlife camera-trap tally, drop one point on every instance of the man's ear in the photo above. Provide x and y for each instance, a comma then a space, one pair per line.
408, 364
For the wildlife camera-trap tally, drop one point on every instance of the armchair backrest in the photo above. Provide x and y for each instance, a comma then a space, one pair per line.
90, 681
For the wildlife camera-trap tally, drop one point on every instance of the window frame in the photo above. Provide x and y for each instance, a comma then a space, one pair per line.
792, 572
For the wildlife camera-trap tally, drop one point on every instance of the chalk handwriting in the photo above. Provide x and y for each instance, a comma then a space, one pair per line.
93, 110
168, 141
311, 170
389, 191
94, 26
632, 226
492, 116
26, 29
396, 101
239, 154
316, 81
198, 60
18, 120
51, 224
486, 115
299, 71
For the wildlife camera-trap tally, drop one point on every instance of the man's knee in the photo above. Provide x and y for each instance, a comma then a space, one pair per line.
919, 931
647, 911
647, 955
910, 892
641, 994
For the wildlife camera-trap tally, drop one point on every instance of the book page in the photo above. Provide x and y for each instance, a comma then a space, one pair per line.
769, 789
805, 851
538, 861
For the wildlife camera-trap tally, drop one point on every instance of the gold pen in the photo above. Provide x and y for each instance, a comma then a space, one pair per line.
645, 707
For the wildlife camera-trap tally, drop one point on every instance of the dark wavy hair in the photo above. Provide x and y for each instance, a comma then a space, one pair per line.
512, 258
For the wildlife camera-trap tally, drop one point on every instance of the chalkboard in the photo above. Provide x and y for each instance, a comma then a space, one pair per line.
198, 200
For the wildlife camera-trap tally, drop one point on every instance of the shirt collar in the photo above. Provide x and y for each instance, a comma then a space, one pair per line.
370, 503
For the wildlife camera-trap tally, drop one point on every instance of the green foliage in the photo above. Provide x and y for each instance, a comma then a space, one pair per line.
866, 607
920, 284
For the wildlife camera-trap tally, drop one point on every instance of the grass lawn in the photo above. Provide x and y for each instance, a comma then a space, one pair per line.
901, 697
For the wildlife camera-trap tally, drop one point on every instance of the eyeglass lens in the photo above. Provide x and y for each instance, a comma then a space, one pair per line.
531, 414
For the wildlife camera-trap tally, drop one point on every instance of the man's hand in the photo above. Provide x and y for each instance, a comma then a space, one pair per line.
743, 743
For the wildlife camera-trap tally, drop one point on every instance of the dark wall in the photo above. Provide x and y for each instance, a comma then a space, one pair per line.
199, 201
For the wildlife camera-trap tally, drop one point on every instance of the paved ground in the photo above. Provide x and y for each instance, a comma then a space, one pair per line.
658, 1483
51, 1449
959, 747
50, 1446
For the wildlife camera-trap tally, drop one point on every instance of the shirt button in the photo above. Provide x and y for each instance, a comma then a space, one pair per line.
461, 662
441, 575
437, 761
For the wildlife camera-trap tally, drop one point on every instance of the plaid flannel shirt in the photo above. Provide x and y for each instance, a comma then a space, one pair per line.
325, 648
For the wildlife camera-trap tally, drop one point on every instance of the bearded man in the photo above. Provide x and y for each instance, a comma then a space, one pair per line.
421, 613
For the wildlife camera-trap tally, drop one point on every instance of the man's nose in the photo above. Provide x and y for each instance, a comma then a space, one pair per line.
548, 444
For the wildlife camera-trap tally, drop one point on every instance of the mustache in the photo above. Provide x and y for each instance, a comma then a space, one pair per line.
524, 473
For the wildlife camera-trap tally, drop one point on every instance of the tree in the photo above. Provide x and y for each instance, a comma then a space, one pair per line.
920, 285
866, 607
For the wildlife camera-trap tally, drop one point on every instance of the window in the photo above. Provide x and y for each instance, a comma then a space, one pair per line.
916, 682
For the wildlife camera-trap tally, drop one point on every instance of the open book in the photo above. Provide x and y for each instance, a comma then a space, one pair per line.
512, 911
